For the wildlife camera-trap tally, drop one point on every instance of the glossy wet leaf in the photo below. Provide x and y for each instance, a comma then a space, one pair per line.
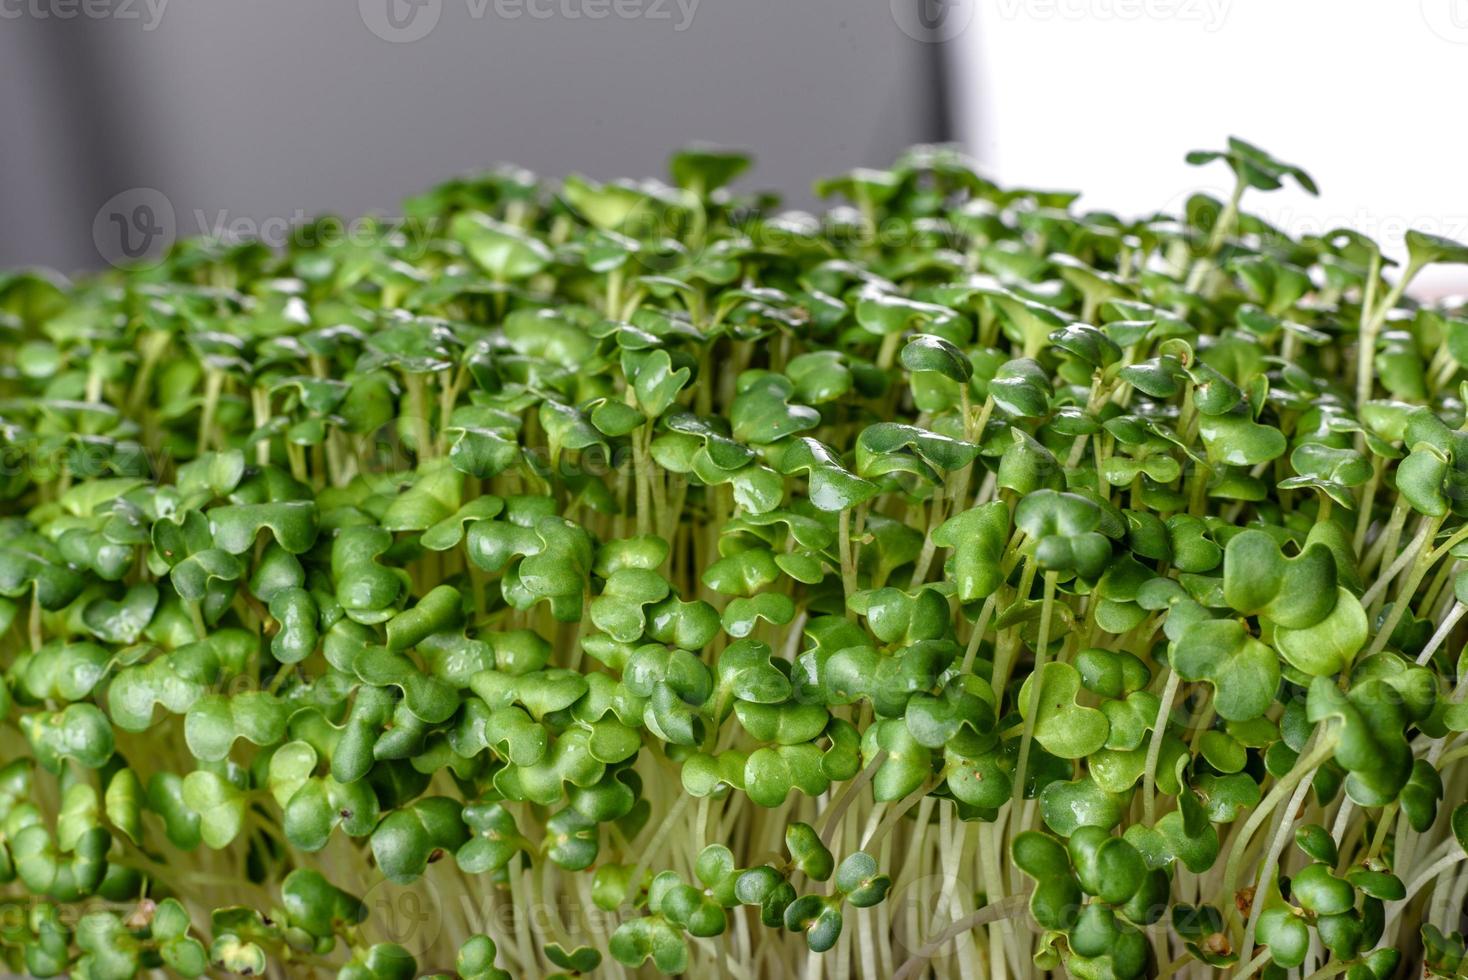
1062, 726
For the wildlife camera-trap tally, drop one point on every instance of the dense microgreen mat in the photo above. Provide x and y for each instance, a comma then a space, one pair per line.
608, 579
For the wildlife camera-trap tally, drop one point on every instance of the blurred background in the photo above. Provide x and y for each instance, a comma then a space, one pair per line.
129, 122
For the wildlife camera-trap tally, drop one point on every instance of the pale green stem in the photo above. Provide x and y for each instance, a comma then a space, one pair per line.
1366, 349
1154, 747
1449, 621
1014, 905
1271, 862
1027, 737
1253, 966
1303, 768
1430, 872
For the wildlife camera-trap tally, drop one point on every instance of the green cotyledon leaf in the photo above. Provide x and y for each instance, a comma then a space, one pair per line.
977, 538
1065, 528
1372, 744
219, 802
407, 839
926, 352
292, 522
1292, 592
1063, 727
1243, 671
79, 732
215, 721
1329, 646
505, 252
475, 959
1236, 440
762, 412
831, 487
885, 440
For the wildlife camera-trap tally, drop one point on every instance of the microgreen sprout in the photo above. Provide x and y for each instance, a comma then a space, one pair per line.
609, 579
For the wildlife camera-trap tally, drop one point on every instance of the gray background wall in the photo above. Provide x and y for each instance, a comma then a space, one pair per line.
260, 111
